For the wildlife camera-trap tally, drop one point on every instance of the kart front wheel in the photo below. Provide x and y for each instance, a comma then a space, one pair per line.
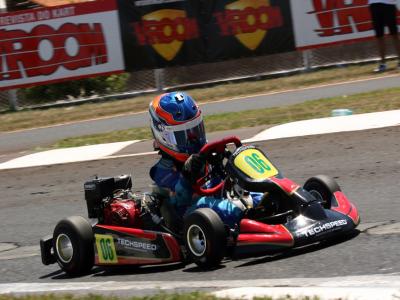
73, 245
205, 237
322, 187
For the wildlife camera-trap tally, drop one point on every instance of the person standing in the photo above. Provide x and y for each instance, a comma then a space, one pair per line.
383, 13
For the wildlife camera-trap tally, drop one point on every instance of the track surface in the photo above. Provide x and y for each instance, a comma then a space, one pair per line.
29, 139
366, 164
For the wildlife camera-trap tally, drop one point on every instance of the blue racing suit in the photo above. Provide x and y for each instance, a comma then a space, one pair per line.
182, 198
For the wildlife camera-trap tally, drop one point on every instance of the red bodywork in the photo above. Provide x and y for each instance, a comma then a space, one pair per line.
346, 207
253, 233
148, 236
256, 233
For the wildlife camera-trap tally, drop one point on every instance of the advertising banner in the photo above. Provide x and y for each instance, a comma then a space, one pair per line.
47, 45
324, 22
243, 28
160, 33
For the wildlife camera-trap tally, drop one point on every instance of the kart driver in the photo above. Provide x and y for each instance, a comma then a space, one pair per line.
179, 134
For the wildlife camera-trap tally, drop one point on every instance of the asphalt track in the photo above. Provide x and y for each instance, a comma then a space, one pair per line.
29, 139
365, 163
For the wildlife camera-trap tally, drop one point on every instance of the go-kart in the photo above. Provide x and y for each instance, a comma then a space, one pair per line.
139, 229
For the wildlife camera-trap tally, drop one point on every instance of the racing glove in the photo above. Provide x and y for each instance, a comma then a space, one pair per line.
194, 168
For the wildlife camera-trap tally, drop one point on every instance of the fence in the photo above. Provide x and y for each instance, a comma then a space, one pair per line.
254, 67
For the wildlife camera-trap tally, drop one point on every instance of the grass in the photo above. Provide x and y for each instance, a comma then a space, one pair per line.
162, 296
11, 121
382, 100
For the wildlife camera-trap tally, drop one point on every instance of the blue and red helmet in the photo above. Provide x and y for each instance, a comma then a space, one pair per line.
177, 125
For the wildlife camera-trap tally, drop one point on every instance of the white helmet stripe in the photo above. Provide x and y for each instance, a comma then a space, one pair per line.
188, 125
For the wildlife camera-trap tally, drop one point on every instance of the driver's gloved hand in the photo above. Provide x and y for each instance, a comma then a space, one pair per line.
194, 168
250, 213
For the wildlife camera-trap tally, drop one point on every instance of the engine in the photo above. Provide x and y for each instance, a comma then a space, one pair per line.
122, 213
111, 201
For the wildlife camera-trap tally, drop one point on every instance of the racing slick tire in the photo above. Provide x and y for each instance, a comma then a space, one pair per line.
73, 245
205, 237
322, 187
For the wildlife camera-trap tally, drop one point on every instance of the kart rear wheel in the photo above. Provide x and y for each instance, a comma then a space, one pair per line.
205, 237
73, 245
322, 187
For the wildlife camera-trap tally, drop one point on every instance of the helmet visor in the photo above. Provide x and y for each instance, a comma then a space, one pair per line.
186, 138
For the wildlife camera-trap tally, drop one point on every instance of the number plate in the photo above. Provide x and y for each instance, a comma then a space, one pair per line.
254, 164
106, 249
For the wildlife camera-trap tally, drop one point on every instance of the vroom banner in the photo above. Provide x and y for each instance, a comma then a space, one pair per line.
65, 42
324, 22
160, 33
243, 28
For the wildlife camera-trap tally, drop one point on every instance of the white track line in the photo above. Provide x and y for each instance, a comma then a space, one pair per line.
66, 155
330, 125
344, 286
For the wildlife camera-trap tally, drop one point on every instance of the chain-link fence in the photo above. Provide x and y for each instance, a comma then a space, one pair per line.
253, 67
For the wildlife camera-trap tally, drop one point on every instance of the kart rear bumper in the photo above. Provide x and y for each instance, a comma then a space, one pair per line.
46, 250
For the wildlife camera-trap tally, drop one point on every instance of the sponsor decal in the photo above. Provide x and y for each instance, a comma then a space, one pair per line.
39, 15
136, 245
340, 17
254, 164
166, 30
44, 49
318, 229
90, 186
249, 21
106, 249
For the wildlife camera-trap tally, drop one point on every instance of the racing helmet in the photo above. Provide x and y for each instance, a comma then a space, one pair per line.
177, 125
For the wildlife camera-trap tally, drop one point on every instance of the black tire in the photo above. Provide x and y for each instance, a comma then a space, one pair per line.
73, 245
322, 187
208, 248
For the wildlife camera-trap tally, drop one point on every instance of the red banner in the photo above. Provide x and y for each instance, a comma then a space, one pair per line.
49, 45
324, 22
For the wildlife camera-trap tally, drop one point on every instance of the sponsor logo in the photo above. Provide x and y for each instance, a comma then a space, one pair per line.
166, 30
307, 232
340, 17
249, 21
90, 186
44, 49
37, 15
137, 245
153, 2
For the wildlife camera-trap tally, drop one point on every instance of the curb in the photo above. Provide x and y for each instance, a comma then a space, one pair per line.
368, 287
320, 293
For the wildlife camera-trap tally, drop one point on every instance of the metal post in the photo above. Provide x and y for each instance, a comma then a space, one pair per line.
159, 78
307, 60
13, 99
3, 6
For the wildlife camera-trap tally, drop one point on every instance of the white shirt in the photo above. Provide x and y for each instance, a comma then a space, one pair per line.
394, 2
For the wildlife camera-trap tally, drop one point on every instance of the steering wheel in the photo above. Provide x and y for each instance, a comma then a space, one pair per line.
208, 151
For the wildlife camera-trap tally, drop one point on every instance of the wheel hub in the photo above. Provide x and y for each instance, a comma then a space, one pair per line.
196, 240
64, 248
